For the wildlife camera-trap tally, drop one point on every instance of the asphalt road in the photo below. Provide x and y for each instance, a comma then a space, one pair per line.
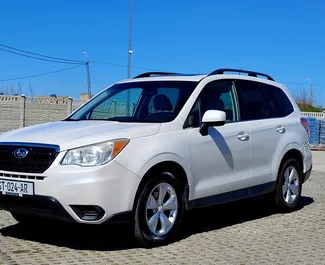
247, 232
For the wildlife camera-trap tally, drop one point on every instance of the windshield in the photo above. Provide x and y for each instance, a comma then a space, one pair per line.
151, 101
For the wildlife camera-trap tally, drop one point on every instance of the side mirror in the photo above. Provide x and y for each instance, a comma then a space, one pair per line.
212, 118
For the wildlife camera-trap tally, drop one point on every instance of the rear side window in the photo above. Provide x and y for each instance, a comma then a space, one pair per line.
282, 104
253, 101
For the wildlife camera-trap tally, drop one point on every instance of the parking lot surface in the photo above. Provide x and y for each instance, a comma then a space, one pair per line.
247, 232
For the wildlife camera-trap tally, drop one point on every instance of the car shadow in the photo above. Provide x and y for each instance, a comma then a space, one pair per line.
220, 142
119, 237
233, 213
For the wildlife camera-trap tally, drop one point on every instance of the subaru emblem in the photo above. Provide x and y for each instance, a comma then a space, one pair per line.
20, 153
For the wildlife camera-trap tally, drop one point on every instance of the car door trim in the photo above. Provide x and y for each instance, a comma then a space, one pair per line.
232, 196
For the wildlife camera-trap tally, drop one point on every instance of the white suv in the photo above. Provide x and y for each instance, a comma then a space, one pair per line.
156, 145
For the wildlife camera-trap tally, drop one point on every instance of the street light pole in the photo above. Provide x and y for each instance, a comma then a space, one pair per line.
130, 52
88, 74
311, 91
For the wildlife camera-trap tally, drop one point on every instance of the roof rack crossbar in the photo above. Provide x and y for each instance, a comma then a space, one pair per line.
148, 74
250, 73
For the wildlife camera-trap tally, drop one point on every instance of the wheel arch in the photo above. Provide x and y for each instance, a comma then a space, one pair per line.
167, 165
291, 153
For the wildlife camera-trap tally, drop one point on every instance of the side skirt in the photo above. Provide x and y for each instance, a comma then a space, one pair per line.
232, 196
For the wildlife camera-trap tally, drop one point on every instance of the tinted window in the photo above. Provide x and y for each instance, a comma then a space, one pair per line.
217, 95
253, 101
282, 104
156, 101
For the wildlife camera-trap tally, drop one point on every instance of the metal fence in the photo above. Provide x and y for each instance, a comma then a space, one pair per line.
318, 115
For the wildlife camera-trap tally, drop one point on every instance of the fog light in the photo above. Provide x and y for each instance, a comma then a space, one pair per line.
88, 212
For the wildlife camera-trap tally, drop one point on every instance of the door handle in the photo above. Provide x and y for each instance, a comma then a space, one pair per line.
242, 136
280, 129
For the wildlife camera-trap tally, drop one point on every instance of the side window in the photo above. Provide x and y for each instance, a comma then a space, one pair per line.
254, 103
282, 104
218, 95
193, 119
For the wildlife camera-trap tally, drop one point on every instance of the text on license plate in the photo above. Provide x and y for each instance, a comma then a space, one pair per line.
17, 188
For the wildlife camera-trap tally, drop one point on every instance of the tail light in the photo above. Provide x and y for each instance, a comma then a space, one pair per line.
305, 124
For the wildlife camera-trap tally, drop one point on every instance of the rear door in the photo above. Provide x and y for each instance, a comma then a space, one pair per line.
267, 130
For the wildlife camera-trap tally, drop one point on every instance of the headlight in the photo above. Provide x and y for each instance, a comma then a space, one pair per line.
95, 154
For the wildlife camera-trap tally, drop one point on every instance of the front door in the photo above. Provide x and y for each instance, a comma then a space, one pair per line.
221, 159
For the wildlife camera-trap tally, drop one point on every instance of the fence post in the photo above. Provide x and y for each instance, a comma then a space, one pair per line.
22, 111
70, 99
114, 107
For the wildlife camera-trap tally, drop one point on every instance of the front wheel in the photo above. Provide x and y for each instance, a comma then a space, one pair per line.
289, 185
159, 210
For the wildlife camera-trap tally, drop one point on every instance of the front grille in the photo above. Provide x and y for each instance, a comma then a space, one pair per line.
15, 176
38, 159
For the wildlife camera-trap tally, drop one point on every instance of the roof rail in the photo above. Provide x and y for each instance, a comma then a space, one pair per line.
250, 73
148, 74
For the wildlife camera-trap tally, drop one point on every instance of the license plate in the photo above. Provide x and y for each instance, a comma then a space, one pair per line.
16, 188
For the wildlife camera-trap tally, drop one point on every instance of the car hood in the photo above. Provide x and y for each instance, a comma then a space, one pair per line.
72, 134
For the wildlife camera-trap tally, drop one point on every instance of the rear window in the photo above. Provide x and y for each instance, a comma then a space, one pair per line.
253, 101
282, 104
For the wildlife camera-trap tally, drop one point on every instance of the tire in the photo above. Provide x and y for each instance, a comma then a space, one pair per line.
156, 235
287, 202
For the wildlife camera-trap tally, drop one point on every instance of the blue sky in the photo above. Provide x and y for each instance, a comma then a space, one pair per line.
282, 38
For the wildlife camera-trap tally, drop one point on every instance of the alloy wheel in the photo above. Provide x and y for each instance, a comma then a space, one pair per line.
291, 185
161, 209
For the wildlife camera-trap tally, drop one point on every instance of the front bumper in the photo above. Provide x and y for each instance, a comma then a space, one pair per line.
81, 195
44, 206
50, 208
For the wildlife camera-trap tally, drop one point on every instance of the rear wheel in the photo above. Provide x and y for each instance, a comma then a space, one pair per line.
159, 210
289, 185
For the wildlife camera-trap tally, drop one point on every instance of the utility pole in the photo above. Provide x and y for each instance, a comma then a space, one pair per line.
130, 52
310, 91
88, 75
88, 80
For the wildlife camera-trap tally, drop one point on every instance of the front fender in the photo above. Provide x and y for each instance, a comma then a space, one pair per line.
147, 152
166, 157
